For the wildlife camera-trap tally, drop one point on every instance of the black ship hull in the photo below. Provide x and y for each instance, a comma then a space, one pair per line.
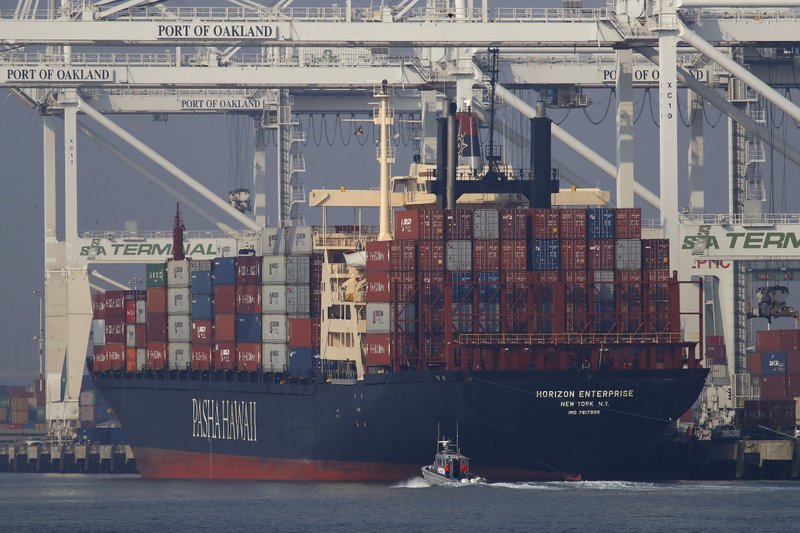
514, 425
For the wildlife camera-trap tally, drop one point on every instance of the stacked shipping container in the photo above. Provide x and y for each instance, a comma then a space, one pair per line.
775, 365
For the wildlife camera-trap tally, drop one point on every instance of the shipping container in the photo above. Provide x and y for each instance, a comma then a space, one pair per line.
156, 355
248, 270
544, 223
141, 311
179, 328
572, 223
248, 356
488, 287
224, 299
513, 224
201, 281
304, 332
419, 225
486, 255
157, 300
248, 299
273, 241
130, 335
98, 332
273, 270
179, 301
603, 285
223, 356
773, 363
274, 357
115, 304
302, 361
156, 276
514, 255
655, 254
178, 273
391, 255
298, 269
157, 327
130, 311
379, 317
115, 329
130, 359
300, 240
485, 224
628, 223
179, 356
601, 254
141, 357
223, 271
87, 413
98, 305
224, 327
99, 358
273, 300
489, 317
202, 331
545, 255
202, 307
600, 222
201, 356
200, 265
249, 328
115, 355
298, 300
378, 286
461, 287
458, 255
573, 255
754, 363
274, 328
773, 387
431, 256
378, 349
628, 255
778, 339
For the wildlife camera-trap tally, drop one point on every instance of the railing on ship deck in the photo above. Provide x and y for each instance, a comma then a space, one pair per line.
571, 338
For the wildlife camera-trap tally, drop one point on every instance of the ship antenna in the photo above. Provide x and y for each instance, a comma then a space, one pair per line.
177, 235
438, 435
458, 447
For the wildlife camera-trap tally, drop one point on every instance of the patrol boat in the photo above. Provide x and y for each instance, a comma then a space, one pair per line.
449, 466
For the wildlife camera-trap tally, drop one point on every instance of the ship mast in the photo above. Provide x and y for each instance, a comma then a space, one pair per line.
384, 118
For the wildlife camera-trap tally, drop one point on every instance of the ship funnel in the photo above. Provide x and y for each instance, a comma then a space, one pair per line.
540, 158
177, 235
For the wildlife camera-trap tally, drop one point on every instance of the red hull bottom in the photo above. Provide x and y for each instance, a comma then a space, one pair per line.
169, 464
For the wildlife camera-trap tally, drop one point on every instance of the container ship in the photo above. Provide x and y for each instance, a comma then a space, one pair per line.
548, 338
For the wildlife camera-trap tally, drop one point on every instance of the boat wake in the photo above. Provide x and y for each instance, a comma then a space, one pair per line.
413, 483
575, 485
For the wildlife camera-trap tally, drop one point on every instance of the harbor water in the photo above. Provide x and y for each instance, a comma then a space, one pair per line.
129, 503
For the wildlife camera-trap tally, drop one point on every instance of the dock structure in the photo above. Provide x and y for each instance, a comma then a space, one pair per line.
752, 459
67, 458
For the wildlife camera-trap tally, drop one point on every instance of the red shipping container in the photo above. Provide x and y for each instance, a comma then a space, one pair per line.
156, 300
573, 255
225, 327
248, 299
99, 363
628, 223
547, 278
202, 331
378, 349
754, 363
156, 327
403, 285
715, 340
419, 224
304, 332
130, 311
768, 340
248, 356
115, 329
486, 255
458, 224
223, 356
115, 355
225, 299
655, 254
628, 276
141, 335
514, 255
793, 385
431, 256
201, 356
130, 359
572, 223
513, 224
601, 254
248, 270
773, 387
391, 255
98, 305
156, 355
544, 223
378, 287
115, 303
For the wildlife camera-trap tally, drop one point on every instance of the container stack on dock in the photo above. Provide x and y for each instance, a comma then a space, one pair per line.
179, 309
775, 365
156, 306
22, 408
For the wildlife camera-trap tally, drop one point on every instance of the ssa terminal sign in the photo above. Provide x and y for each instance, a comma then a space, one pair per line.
151, 250
738, 242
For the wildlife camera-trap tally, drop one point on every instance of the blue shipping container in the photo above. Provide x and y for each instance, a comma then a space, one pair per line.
462, 286
302, 361
223, 272
773, 363
489, 288
600, 223
201, 282
545, 254
248, 328
202, 308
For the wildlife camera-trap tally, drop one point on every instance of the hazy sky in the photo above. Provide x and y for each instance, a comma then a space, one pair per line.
110, 193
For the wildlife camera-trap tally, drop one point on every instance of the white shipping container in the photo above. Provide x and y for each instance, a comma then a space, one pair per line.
130, 335
141, 358
273, 269
98, 332
273, 241
379, 317
179, 328
179, 301
629, 254
300, 240
298, 269
87, 398
273, 328
485, 224
200, 265
458, 256
273, 299
141, 312
179, 355
274, 357
87, 413
178, 273
298, 300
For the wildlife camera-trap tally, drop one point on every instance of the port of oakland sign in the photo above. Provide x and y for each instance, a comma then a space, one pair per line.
152, 250
50, 75
216, 31
740, 242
